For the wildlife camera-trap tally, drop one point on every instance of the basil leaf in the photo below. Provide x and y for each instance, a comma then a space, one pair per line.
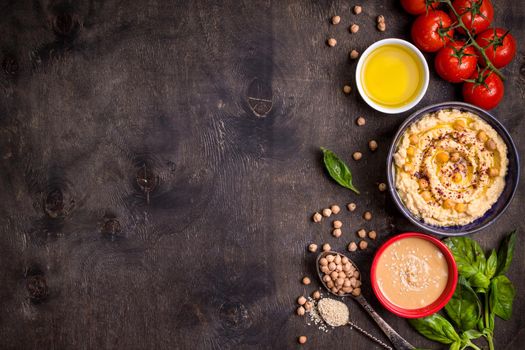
456, 345
338, 170
435, 327
505, 253
464, 308
480, 282
471, 334
492, 264
469, 256
502, 294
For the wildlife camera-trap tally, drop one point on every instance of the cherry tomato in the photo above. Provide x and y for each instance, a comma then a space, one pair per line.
417, 7
429, 31
456, 62
477, 15
502, 47
486, 92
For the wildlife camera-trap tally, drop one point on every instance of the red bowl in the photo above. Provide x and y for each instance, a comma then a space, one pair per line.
440, 302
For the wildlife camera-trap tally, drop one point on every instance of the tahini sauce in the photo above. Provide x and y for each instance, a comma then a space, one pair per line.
412, 273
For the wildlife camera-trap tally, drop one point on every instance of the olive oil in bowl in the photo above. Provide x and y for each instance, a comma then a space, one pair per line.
392, 76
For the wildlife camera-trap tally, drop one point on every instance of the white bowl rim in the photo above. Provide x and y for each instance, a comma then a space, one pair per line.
359, 68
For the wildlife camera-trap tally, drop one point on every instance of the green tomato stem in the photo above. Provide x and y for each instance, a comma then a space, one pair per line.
473, 41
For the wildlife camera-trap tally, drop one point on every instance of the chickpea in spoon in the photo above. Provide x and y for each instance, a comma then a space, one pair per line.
341, 277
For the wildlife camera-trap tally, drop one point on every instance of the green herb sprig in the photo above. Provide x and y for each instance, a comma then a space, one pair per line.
483, 292
338, 170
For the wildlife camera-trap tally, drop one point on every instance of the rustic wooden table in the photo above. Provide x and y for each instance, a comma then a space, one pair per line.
160, 163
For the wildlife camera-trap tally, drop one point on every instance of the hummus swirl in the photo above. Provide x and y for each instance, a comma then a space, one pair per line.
450, 167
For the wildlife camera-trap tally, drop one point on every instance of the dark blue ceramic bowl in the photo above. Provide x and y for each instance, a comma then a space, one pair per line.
511, 180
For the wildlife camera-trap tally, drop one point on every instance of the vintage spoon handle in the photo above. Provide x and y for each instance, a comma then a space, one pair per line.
378, 341
398, 341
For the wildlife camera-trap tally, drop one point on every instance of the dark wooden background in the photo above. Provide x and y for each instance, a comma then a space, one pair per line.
159, 164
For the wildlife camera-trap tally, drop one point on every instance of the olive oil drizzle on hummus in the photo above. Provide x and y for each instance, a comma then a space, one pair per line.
450, 167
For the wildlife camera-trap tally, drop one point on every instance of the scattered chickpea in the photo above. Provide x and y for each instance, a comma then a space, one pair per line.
323, 261
335, 209
352, 247
326, 247
317, 217
381, 26
382, 187
357, 9
448, 203
380, 18
337, 232
351, 206
337, 224
357, 155
354, 28
312, 248
347, 89
360, 121
372, 144
460, 124
331, 42
482, 136
354, 54
491, 145
327, 212
442, 157
493, 172
300, 311
361, 233
336, 19
460, 207
302, 339
423, 183
367, 216
372, 234
363, 245
316, 295
308, 306
306, 281
301, 300
330, 258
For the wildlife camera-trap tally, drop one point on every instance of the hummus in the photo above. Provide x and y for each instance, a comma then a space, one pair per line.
450, 167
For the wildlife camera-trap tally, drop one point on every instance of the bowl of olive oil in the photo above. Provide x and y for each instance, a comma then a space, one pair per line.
392, 76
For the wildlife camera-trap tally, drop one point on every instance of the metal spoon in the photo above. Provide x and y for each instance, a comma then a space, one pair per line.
398, 341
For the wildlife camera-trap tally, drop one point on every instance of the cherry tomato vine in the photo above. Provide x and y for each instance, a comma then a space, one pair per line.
468, 50
471, 38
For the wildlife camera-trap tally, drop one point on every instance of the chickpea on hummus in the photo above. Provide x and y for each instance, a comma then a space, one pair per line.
450, 167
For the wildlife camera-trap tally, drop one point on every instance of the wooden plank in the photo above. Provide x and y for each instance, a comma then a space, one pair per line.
160, 163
